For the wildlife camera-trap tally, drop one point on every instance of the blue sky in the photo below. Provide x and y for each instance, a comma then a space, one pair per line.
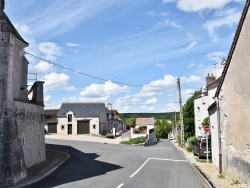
138, 48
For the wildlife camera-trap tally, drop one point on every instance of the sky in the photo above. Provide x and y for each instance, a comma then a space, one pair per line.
127, 52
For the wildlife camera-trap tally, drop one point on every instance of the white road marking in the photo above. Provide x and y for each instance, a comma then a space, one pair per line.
139, 168
169, 160
120, 185
160, 159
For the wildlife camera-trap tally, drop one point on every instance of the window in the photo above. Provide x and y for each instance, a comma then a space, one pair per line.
94, 126
69, 118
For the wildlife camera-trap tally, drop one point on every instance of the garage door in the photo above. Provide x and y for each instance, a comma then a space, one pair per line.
52, 128
83, 127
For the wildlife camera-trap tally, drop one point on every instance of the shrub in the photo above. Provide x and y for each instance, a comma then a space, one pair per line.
191, 141
131, 141
109, 135
235, 182
221, 176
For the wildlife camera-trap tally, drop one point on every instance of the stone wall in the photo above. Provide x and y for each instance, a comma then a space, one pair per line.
151, 140
31, 129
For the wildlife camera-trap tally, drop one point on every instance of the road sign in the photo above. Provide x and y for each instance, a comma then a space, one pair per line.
206, 128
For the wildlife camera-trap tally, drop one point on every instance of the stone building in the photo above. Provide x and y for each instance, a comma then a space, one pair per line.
82, 118
232, 108
22, 142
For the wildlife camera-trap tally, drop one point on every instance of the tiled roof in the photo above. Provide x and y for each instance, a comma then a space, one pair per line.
50, 116
51, 112
145, 121
82, 109
234, 43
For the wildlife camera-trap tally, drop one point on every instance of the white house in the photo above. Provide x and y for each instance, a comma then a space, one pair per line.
202, 103
82, 118
142, 127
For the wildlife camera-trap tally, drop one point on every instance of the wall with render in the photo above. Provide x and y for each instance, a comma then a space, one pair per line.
235, 109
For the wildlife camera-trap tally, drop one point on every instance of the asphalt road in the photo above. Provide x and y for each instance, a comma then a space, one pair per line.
97, 165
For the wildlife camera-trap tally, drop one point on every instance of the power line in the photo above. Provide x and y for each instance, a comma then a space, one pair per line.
95, 77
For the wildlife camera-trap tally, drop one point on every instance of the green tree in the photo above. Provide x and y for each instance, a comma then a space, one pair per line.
205, 121
188, 116
162, 128
129, 121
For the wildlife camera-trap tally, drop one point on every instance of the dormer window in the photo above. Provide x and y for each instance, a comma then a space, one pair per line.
70, 118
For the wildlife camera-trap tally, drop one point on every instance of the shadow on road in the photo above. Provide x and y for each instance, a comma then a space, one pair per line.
80, 166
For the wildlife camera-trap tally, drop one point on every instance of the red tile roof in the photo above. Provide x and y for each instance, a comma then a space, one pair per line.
145, 121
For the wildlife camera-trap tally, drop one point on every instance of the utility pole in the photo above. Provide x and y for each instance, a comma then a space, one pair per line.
181, 113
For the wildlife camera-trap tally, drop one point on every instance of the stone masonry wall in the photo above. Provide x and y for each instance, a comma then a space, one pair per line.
31, 128
12, 164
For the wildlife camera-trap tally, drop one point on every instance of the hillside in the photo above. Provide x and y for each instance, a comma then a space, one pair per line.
167, 115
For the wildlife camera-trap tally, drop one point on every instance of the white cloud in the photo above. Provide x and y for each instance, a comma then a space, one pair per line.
169, 22
21, 28
72, 44
151, 101
56, 81
68, 14
159, 85
164, 13
103, 90
47, 98
191, 79
216, 56
50, 50
195, 5
145, 108
192, 45
167, 1
43, 67
226, 18
191, 65
145, 94
154, 13
171, 107
188, 92
160, 65
126, 102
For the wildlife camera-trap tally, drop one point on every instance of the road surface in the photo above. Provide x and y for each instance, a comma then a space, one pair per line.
98, 165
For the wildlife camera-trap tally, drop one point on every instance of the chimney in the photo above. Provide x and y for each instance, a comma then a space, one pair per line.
109, 106
210, 79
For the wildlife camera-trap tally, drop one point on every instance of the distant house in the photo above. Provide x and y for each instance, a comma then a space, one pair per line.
232, 109
82, 118
113, 120
142, 127
202, 103
50, 120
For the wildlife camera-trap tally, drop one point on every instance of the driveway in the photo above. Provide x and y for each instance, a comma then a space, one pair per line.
90, 138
